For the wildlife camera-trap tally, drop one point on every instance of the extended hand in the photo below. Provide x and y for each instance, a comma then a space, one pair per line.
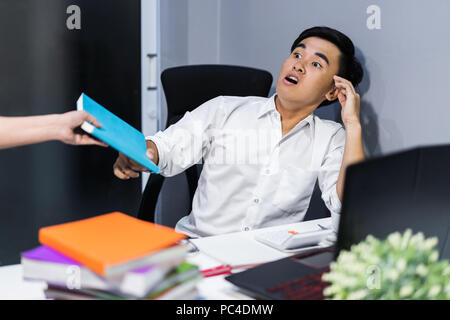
69, 131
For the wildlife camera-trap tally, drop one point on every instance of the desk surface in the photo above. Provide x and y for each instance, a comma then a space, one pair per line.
12, 285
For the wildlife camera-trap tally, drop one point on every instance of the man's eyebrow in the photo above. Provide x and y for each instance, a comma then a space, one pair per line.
320, 55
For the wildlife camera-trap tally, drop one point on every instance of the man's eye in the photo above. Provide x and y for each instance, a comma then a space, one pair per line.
298, 55
317, 65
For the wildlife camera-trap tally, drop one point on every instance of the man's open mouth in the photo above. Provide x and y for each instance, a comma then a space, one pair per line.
292, 79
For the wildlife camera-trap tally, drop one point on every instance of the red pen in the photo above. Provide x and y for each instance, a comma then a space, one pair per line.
224, 269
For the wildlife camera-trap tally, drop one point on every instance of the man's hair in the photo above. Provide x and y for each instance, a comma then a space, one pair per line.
349, 66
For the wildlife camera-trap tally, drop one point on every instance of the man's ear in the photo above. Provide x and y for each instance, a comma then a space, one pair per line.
332, 94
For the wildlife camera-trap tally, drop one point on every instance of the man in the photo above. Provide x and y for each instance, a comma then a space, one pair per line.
18, 131
293, 147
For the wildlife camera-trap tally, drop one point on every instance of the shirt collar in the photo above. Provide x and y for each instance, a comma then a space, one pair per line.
270, 106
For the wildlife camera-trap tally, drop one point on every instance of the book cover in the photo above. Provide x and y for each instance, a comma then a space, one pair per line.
114, 243
115, 132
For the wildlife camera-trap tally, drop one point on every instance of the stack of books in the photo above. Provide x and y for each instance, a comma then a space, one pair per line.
111, 256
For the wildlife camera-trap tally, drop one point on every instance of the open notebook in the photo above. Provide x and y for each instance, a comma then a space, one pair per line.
241, 249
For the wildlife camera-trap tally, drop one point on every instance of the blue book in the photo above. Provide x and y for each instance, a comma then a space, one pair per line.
116, 133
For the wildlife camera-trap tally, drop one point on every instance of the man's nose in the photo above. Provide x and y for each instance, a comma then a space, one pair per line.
299, 67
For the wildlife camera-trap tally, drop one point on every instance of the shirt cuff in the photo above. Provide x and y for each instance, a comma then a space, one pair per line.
335, 209
162, 161
335, 202
335, 218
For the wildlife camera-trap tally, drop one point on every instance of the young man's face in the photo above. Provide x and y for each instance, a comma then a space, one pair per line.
306, 76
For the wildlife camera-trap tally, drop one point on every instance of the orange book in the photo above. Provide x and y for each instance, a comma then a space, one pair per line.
114, 243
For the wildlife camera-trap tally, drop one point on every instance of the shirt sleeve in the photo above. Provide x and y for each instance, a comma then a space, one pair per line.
329, 174
183, 144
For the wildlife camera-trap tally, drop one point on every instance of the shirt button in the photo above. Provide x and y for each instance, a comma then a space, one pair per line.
267, 171
256, 200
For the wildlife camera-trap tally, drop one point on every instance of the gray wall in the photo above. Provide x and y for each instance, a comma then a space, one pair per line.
407, 73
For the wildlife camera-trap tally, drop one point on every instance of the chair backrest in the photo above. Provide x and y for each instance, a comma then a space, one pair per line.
186, 88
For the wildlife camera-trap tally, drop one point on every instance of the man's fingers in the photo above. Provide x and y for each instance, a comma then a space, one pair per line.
337, 78
345, 89
118, 168
136, 167
119, 174
131, 173
123, 170
344, 83
124, 173
131, 164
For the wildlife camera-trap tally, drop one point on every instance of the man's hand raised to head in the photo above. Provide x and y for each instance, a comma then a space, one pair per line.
350, 113
126, 168
349, 100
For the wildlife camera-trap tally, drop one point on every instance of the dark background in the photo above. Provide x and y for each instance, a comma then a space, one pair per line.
44, 67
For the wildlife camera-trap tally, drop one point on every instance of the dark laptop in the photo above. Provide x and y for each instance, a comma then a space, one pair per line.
404, 190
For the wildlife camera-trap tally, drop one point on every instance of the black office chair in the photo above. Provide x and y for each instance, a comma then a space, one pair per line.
186, 88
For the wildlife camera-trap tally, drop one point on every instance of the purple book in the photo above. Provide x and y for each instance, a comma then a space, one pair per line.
47, 254
44, 253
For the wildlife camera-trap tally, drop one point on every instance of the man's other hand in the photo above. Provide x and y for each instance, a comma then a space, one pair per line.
126, 168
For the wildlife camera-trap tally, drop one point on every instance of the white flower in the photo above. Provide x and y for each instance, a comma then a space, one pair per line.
430, 243
330, 290
393, 275
446, 271
405, 239
338, 296
357, 295
336, 277
348, 282
331, 276
434, 291
370, 257
394, 239
421, 270
356, 268
418, 238
447, 290
406, 291
371, 240
346, 257
401, 264
433, 256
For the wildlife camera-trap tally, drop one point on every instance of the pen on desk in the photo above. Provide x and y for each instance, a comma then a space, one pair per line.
224, 269
191, 246
322, 227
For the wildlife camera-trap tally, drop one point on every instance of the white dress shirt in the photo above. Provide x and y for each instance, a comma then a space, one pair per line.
252, 176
